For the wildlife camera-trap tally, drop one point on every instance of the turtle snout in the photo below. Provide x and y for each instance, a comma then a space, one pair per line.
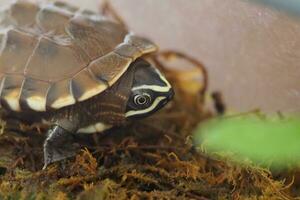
171, 94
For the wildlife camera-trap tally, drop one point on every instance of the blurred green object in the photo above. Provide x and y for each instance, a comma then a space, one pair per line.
264, 142
292, 6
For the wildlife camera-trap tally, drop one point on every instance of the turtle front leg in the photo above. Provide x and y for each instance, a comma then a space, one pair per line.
59, 144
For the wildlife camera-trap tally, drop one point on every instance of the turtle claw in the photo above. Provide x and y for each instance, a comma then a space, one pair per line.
52, 155
58, 146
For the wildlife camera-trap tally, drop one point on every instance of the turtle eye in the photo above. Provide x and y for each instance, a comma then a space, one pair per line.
142, 99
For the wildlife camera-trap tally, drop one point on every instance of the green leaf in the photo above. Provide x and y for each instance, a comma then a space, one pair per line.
275, 142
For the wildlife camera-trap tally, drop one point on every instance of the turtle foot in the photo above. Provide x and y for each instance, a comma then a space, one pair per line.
59, 145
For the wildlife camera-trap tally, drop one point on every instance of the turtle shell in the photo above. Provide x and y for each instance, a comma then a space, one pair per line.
53, 55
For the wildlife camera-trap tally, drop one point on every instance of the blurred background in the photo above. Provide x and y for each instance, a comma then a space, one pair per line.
252, 52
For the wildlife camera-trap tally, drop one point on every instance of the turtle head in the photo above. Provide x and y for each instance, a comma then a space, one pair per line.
150, 91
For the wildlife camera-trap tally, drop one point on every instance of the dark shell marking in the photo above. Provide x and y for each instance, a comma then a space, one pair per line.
54, 55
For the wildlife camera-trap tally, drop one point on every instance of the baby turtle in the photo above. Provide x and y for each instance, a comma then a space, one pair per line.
74, 70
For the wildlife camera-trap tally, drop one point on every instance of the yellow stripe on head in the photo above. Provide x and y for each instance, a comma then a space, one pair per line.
156, 88
147, 110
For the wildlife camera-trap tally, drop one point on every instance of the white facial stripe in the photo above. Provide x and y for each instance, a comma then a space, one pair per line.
162, 77
147, 110
156, 88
